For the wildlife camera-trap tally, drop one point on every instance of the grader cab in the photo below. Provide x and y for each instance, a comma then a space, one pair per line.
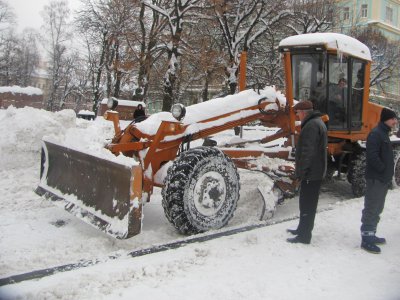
333, 71
200, 185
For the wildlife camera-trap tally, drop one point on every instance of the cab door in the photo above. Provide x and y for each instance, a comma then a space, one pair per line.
345, 93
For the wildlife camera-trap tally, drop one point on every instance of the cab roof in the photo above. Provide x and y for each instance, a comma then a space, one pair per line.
330, 41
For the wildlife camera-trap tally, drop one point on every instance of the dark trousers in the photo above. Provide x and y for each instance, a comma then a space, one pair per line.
374, 202
308, 202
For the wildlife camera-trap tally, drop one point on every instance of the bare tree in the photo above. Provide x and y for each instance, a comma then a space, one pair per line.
118, 13
55, 16
144, 39
264, 60
105, 25
385, 55
75, 92
311, 16
177, 13
244, 22
7, 16
8, 44
92, 24
70, 61
29, 56
18, 58
9, 58
203, 62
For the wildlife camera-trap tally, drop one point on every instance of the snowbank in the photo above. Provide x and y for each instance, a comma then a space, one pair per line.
26, 127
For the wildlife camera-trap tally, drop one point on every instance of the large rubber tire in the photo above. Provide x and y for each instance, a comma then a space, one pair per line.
396, 176
356, 173
201, 190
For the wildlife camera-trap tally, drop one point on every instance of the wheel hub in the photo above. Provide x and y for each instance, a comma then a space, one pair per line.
209, 193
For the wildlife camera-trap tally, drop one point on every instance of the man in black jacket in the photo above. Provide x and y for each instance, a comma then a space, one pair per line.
379, 173
311, 161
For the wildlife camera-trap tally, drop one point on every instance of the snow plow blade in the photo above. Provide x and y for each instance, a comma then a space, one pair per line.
105, 194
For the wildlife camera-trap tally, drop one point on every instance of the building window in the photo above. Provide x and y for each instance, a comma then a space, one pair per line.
389, 14
364, 10
346, 13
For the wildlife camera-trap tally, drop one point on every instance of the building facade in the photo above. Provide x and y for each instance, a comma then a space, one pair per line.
383, 15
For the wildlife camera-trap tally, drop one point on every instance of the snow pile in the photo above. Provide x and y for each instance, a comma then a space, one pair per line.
24, 128
30, 126
21, 90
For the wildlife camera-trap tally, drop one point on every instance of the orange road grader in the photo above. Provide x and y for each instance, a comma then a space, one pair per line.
200, 185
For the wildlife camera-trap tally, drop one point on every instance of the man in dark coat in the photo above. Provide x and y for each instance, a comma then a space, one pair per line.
378, 175
311, 162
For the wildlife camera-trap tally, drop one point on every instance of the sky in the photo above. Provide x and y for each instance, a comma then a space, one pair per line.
28, 11
36, 233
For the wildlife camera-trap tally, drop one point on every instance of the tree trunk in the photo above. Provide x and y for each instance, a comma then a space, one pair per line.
168, 94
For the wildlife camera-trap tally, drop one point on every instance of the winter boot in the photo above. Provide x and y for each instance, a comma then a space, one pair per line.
370, 247
298, 239
293, 231
368, 242
378, 240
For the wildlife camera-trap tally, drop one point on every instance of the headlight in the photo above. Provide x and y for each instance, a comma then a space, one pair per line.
178, 111
112, 103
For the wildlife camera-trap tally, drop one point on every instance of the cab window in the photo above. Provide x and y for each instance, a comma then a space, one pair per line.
338, 92
309, 82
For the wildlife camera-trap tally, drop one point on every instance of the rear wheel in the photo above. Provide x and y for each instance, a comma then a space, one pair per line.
356, 173
201, 190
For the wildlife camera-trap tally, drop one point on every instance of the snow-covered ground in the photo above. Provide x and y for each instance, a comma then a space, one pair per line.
258, 264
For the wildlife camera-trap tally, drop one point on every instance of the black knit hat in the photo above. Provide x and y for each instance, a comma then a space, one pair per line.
387, 114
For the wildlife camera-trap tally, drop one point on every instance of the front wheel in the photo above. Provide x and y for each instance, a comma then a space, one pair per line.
201, 190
